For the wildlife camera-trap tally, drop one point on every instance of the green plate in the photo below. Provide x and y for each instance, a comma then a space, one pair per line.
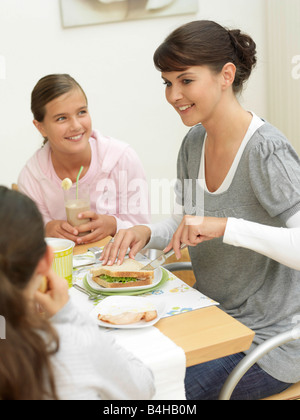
164, 279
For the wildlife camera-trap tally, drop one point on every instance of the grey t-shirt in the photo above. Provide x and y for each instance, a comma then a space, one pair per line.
259, 292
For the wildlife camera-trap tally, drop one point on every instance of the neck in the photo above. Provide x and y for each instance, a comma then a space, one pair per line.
228, 125
68, 167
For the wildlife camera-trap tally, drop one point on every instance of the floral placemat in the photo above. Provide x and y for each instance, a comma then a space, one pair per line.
177, 295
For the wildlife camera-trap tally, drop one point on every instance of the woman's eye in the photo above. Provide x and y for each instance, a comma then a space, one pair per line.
186, 81
168, 84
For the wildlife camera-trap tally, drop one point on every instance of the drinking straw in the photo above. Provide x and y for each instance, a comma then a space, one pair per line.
77, 179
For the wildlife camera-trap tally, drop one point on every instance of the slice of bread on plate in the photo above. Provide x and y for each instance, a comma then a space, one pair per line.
128, 274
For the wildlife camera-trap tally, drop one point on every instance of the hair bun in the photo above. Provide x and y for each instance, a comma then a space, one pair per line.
245, 52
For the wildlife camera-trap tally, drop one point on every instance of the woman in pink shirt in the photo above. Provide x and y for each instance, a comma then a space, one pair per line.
119, 191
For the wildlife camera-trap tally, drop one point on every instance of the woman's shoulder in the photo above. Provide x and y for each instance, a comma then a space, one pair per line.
37, 164
268, 140
195, 135
72, 322
193, 140
107, 142
269, 152
111, 152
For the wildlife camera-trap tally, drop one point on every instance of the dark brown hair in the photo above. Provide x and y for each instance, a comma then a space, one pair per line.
205, 42
30, 340
49, 88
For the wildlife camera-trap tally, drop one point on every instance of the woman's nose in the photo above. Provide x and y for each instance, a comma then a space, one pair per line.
75, 124
174, 94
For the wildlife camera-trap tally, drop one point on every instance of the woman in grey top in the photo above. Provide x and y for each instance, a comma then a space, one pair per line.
231, 164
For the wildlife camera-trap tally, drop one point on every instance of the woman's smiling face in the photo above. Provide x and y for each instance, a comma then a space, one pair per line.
194, 93
67, 123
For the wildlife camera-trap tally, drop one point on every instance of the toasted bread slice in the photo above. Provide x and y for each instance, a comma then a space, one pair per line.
129, 268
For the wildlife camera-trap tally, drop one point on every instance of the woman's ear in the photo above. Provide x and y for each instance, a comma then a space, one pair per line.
228, 73
40, 127
45, 263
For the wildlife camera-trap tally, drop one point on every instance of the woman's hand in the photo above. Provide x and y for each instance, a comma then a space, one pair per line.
57, 295
195, 229
134, 238
61, 229
100, 227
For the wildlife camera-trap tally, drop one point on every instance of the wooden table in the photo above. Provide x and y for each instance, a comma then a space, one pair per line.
204, 334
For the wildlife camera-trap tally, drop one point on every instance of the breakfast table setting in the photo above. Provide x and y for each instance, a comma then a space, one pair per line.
188, 327
172, 325
167, 294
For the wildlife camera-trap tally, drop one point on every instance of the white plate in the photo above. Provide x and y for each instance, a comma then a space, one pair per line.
87, 258
118, 304
82, 260
96, 286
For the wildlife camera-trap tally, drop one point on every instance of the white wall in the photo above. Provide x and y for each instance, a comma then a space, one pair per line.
113, 63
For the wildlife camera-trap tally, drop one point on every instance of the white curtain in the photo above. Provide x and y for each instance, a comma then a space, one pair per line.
283, 19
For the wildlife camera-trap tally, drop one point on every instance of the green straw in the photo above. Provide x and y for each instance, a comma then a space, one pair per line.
77, 179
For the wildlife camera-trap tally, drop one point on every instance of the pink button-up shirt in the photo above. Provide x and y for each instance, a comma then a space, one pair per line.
116, 177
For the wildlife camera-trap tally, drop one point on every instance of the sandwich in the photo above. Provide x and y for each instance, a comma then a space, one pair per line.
128, 274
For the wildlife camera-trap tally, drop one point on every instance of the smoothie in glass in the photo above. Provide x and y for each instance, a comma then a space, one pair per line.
76, 202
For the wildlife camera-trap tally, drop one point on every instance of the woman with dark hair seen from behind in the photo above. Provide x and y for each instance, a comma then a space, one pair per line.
247, 170
64, 356
25, 354
111, 168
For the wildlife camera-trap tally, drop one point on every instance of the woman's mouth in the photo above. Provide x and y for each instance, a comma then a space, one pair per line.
185, 108
75, 138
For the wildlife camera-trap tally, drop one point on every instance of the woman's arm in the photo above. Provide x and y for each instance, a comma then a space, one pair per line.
279, 244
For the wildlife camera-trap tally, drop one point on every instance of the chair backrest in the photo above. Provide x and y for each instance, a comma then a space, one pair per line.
261, 350
14, 187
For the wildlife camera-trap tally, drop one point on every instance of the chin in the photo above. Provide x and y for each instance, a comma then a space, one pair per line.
190, 123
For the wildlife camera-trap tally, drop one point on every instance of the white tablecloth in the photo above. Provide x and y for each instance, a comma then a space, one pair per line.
166, 360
